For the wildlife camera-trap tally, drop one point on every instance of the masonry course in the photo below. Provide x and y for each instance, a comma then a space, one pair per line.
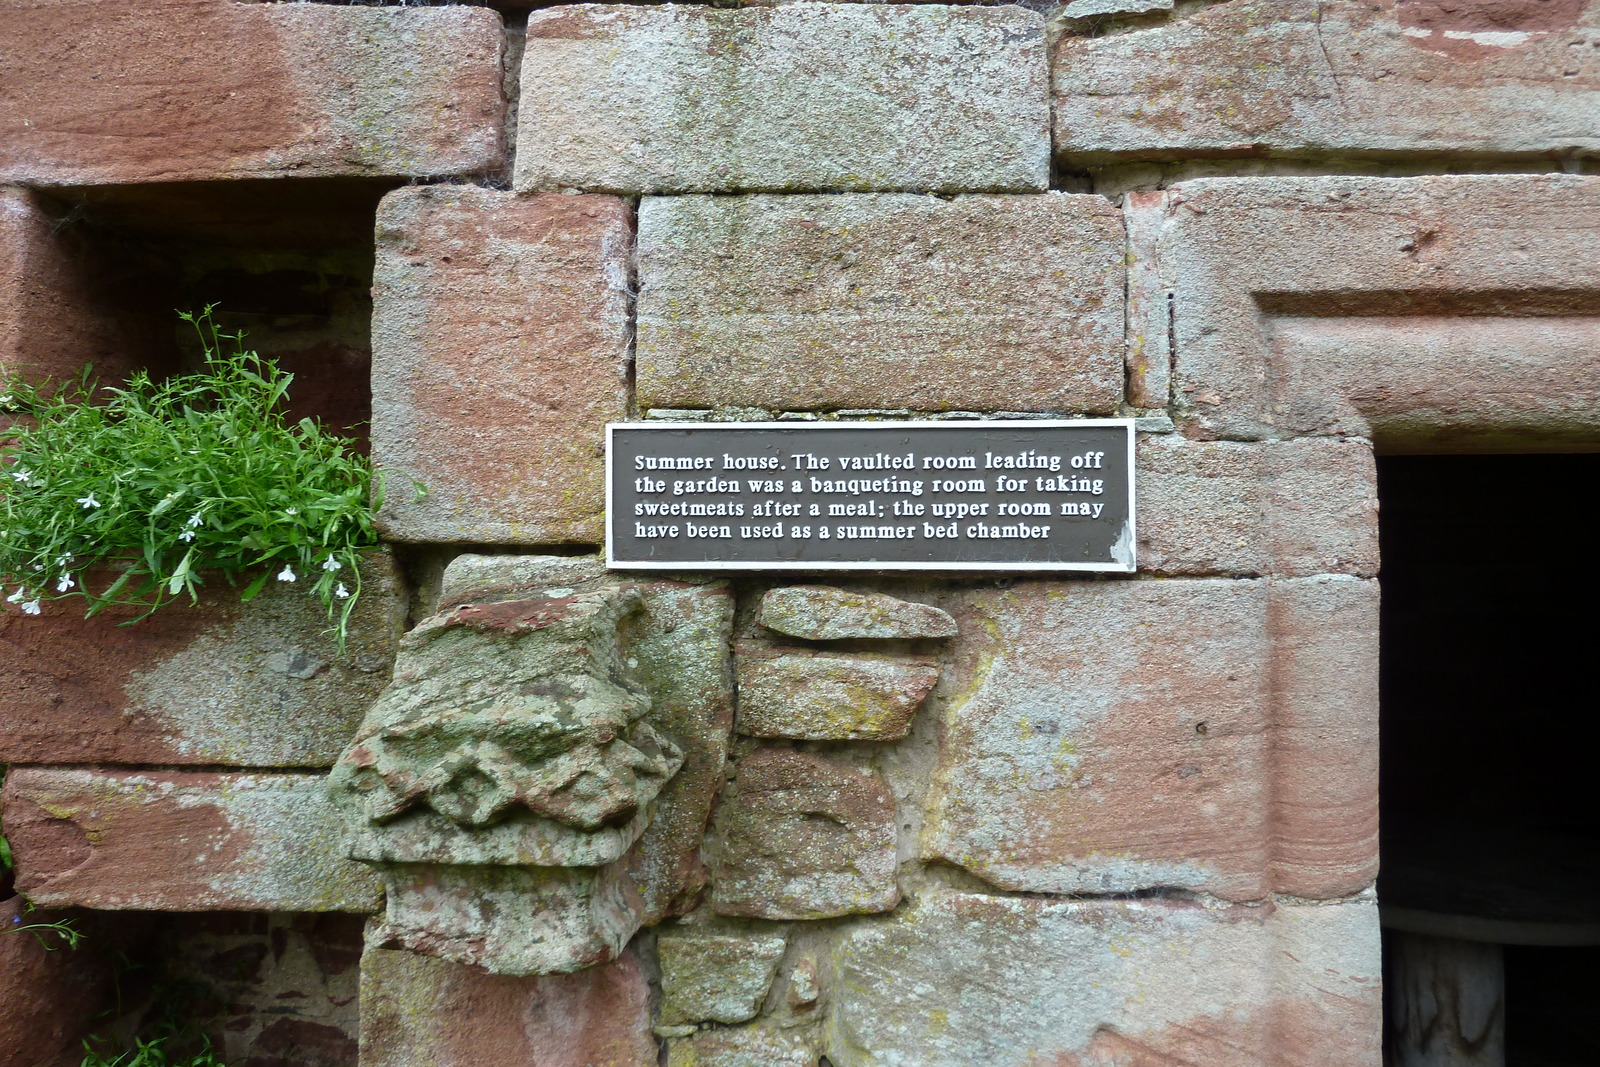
180, 841
1339, 77
790, 98
858, 301
207, 90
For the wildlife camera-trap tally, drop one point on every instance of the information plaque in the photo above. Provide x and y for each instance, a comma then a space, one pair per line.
885, 496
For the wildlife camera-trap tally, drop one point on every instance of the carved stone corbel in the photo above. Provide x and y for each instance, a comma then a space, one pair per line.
502, 781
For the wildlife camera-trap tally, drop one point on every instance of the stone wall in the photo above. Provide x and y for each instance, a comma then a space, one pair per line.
952, 822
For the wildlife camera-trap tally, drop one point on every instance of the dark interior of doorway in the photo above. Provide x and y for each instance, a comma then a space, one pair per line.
1490, 766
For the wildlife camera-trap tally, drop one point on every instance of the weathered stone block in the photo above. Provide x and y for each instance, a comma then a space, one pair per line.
892, 301
825, 696
823, 613
715, 979
513, 920
422, 1012
1431, 314
1116, 736
180, 841
1288, 507
683, 645
201, 90
1280, 77
803, 837
745, 1046
1021, 981
220, 682
499, 353
677, 98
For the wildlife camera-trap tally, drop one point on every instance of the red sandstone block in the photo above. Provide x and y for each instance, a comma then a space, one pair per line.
1283, 77
200, 90
1116, 736
1234, 508
221, 682
801, 836
422, 1012
500, 351
1095, 983
881, 301
50, 324
1430, 314
175, 841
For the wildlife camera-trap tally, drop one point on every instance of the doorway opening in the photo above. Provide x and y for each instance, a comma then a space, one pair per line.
1489, 733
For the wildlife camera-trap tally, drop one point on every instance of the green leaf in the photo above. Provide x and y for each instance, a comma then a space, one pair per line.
253, 590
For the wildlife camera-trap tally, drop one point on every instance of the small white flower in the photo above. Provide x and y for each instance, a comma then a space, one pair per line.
65, 583
30, 607
287, 574
194, 520
331, 564
187, 535
23, 475
292, 511
89, 501
16, 598
64, 559
340, 591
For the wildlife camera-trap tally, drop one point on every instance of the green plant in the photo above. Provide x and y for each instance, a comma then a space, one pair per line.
6, 862
165, 480
151, 1053
65, 933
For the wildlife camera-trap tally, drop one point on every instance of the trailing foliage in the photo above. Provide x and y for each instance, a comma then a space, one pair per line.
166, 480
152, 1053
61, 932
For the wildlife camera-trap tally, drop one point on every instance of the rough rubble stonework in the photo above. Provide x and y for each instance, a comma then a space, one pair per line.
825, 613
715, 979
822, 696
803, 837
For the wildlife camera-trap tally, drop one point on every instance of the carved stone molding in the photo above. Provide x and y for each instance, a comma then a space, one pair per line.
502, 781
